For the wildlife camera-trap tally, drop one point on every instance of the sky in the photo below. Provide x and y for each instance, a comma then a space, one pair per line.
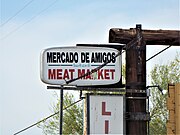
26, 30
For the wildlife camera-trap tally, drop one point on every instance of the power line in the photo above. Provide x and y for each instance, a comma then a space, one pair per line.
19, 11
20, 26
158, 53
131, 43
47, 117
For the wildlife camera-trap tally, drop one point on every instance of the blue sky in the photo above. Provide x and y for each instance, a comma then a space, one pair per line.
24, 98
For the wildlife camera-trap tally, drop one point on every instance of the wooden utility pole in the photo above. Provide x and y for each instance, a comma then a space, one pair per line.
151, 37
136, 40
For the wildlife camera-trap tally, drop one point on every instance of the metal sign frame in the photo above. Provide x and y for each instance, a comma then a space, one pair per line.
49, 68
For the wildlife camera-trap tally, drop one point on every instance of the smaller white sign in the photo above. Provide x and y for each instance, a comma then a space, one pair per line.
62, 64
105, 114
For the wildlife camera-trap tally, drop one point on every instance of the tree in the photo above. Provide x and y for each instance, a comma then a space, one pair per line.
162, 75
72, 118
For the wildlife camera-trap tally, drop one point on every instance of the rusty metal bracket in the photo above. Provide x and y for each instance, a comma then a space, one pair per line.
138, 116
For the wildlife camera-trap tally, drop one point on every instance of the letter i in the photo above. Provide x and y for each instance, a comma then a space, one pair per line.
106, 126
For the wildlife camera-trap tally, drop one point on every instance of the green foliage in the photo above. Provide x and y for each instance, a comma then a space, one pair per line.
123, 73
72, 118
162, 75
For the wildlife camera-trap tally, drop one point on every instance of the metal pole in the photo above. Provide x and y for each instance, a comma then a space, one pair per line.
61, 111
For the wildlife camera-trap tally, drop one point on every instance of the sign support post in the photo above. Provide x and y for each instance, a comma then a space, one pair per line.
61, 111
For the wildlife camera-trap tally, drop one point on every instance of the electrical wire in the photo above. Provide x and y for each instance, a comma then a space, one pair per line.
19, 11
158, 53
47, 117
130, 44
93, 70
20, 26
127, 46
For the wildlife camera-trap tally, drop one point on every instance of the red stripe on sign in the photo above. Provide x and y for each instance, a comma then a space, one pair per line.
104, 109
106, 127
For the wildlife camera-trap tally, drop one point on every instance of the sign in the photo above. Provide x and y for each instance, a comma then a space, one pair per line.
105, 114
61, 64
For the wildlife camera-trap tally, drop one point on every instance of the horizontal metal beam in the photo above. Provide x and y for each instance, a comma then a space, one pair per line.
86, 88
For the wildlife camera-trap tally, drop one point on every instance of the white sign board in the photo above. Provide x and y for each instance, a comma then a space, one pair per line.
61, 64
106, 114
